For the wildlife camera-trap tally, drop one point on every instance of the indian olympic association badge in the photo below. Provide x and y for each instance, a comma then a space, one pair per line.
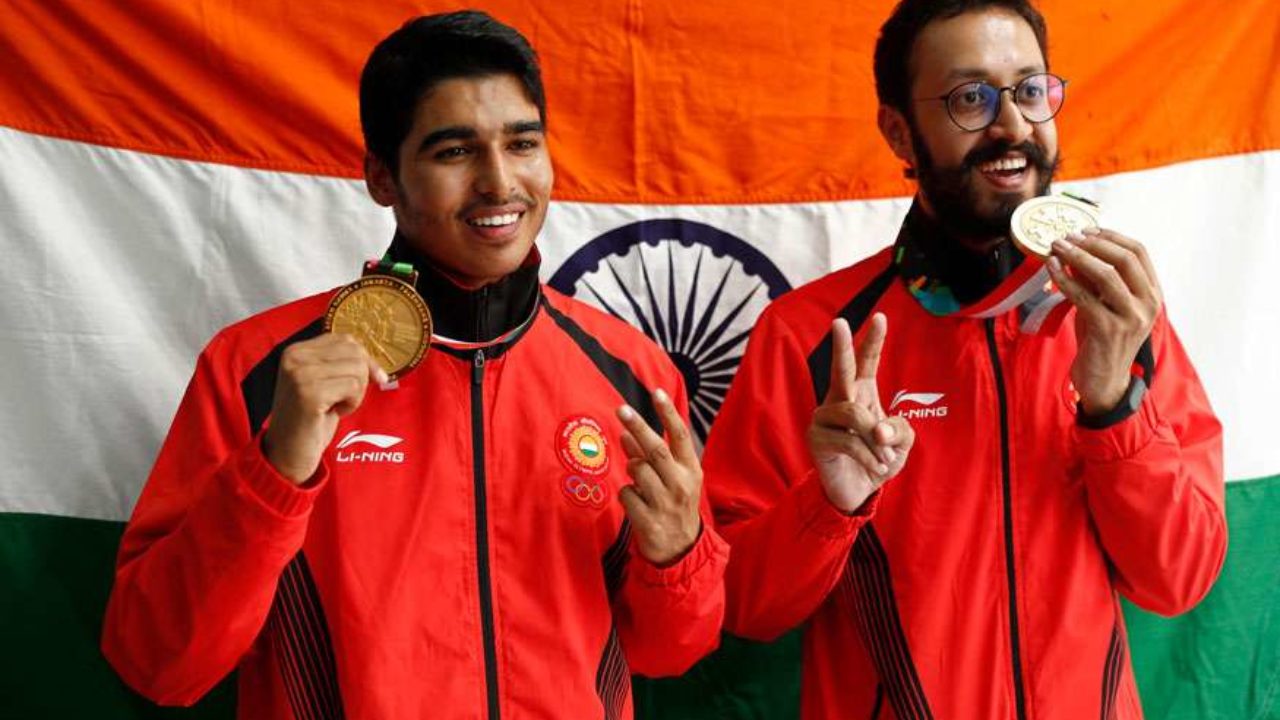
582, 447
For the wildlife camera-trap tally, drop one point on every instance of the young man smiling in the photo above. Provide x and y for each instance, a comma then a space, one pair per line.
480, 539
1048, 467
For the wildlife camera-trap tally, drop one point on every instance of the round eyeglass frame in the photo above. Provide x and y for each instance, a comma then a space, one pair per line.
1013, 89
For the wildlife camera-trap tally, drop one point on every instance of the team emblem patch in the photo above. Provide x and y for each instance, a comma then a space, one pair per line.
581, 446
584, 492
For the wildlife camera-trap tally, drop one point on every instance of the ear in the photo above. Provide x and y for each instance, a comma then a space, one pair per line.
379, 181
897, 132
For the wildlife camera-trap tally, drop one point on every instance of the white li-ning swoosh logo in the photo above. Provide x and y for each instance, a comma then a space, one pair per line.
927, 405
383, 453
381, 441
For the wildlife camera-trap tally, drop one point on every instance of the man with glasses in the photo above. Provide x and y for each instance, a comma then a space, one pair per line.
1043, 463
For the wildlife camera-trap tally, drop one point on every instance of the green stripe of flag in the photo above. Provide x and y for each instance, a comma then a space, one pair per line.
1221, 661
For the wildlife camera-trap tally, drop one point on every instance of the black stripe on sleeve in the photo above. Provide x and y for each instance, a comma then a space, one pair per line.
616, 370
300, 637
1111, 672
855, 313
259, 385
298, 630
876, 614
613, 679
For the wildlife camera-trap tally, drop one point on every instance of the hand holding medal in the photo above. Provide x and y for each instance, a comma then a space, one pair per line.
1040, 221
384, 312
1110, 280
377, 329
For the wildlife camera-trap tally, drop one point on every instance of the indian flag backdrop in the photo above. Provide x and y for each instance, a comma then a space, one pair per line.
167, 167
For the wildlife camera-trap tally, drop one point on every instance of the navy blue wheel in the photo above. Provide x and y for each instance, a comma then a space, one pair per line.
693, 288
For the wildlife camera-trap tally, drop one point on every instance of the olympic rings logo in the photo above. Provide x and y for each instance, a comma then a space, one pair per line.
581, 492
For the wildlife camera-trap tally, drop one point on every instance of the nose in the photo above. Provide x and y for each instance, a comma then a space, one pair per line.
494, 177
1010, 125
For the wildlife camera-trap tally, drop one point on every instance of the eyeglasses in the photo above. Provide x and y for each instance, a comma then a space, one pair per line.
975, 106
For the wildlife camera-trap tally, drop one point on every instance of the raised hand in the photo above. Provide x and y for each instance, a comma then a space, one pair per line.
320, 380
663, 501
854, 445
1112, 282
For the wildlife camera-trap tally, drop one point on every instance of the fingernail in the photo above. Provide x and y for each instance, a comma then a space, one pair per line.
882, 469
890, 455
382, 377
661, 395
886, 432
1075, 237
1061, 246
626, 413
1054, 264
1092, 231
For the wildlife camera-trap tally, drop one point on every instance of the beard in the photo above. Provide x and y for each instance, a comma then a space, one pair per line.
955, 201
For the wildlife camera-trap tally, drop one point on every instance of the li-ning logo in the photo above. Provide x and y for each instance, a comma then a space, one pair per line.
925, 405
384, 443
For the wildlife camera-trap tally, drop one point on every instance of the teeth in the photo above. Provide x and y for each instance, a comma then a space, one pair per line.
495, 220
1005, 163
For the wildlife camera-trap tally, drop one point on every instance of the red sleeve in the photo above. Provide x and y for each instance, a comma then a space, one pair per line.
1155, 487
670, 617
789, 542
199, 561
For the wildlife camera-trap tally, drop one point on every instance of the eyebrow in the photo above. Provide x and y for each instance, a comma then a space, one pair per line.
982, 74
465, 132
523, 126
453, 132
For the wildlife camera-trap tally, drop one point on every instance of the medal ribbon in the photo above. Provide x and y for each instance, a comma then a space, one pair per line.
387, 266
1028, 289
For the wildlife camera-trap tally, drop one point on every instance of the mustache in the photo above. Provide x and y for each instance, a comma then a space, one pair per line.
1036, 155
513, 199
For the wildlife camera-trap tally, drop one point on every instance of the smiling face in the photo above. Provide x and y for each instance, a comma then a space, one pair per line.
474, 180
972, 181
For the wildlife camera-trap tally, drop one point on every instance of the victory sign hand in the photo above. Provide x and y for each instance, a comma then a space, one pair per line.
855, 446
663, 501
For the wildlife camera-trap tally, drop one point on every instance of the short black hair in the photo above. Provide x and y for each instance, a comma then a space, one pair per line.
898, 37
427, 50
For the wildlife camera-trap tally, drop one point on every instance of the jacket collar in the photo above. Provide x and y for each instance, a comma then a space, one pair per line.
473, 315
941, 272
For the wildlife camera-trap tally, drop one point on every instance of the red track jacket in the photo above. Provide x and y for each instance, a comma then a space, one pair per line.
462, 554
983, 581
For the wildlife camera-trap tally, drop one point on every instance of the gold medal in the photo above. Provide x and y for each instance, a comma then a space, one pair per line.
387, 316
1041, 220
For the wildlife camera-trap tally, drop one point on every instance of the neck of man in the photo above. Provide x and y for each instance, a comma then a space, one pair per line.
472, 314
970, 267
978, 245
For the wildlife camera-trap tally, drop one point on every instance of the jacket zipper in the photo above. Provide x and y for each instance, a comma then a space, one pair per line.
482, 533
1007, 488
